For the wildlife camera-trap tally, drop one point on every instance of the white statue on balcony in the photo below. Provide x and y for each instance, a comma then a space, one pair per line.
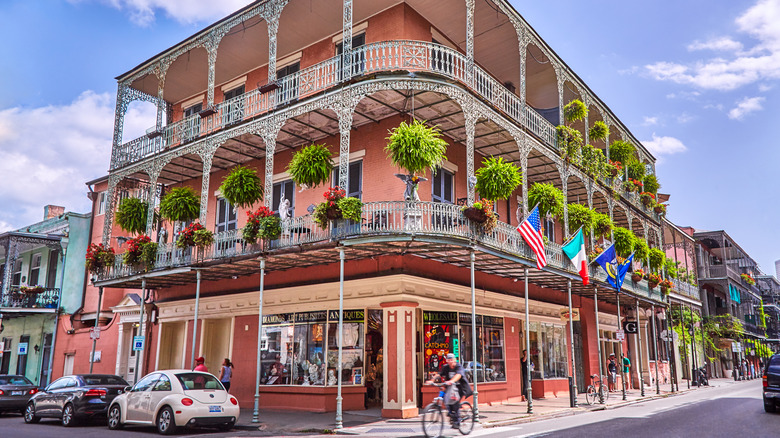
410, 194
284, 208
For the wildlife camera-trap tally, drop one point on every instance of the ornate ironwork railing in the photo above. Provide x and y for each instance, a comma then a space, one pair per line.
379, 220
386, 56
47, 299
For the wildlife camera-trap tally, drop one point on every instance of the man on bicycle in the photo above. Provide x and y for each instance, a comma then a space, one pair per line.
452, 373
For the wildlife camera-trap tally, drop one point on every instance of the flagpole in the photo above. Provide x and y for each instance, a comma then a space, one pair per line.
573, 396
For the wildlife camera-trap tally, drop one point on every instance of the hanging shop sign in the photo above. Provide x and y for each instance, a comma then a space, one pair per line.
631, 327
277, 319
575, 314
349, 315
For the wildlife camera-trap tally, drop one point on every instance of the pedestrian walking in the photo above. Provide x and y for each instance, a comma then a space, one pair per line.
524, 364
226, 373
627, 370
612, 372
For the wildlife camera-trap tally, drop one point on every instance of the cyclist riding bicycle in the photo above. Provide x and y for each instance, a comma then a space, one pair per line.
453, 373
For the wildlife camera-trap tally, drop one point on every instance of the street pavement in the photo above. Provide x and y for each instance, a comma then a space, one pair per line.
727, 409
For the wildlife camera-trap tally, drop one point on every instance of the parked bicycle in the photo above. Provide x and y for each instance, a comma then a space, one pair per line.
596, 386
433, 416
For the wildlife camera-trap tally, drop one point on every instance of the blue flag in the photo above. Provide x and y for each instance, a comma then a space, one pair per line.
616, 272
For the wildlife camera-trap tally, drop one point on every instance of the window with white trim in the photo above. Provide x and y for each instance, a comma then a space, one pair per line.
355, 189
101, 203
443, 187
35, 270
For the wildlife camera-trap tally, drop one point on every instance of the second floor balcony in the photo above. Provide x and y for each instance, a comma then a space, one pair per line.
18, 300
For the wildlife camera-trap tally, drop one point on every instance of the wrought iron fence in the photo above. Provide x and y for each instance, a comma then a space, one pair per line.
47, 299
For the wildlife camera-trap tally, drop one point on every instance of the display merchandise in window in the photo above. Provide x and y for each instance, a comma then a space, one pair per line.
352, 366
548, 351
276, 345
308, 352
489, 364
439, 339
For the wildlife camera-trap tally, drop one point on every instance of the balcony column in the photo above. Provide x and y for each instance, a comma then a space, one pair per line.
524, 39
606, 139
559, 75
268, 133
470, 39
108, 217
611, 206
346, 40
565, 188
470, 122
524, 170
590, 191
154, 174
271, 15
344, 109
160, 71
586, 101
12, 252
119, 121
206, 155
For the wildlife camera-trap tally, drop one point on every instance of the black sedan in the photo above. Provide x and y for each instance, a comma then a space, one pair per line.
772, 384
72, 398
15, 391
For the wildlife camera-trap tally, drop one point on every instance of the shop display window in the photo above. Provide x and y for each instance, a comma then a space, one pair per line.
308, 351
439, 339
489, 364
548, 351
276, 345
352, 366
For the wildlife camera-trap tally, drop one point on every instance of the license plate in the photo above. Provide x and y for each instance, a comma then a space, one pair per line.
215, 408
17, 392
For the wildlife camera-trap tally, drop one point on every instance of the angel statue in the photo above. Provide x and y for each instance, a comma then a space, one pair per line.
284, 208
410, 194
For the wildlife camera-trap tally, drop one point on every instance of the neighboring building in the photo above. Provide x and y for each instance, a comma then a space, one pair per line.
277, 75
726, 296
770, 296
777, 268
41, 275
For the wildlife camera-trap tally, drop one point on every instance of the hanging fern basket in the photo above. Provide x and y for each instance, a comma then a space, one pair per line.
311, 166
181, 204
131, 215
242, 187
416, 147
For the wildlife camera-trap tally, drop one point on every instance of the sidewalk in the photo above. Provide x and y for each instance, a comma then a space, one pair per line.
370, 422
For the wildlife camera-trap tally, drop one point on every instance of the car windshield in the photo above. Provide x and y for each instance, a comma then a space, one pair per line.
198, 381
14, 380
104, 380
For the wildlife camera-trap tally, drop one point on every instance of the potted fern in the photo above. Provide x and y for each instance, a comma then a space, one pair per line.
569, 139
181, 204
599, 131
580, 216
641, 249
416, 147
548, 197
311, 166
624, 241
657, 259
241, 187
131, 215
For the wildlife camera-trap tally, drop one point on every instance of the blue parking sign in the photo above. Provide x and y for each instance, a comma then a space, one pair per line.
138, 343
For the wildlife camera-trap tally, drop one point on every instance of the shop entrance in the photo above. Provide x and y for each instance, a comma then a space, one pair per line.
374, 358
172, 336
216, 342
580, 375
127, 355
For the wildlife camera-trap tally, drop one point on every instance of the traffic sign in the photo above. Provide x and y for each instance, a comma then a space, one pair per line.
94, 333
138, 343
22, 349
631, 327
620, 335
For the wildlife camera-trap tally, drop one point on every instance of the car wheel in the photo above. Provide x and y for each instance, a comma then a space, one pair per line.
69, 416
226, 427
29, 414
769, 406
166, 424
115, 417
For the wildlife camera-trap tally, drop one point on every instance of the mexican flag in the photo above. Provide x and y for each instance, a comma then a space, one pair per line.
575, 251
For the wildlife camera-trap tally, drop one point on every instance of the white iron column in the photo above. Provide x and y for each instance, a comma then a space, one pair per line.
470, 122
529, 390
195, 319
339, 399
474, 337
655, 350
571, 346
598, 344
345, 109
97, 327
206, 155
470, 40
346, 41
256, 412
142, 331
639, 351
108, 217
622, 367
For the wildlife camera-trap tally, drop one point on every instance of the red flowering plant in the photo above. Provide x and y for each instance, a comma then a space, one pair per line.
337, 206
660, 208
637, 275
98, 257
748, 279
666, 285
195, 234
653, 280
647, 198
614, 167
481, 213
633, 185
135, 250
595, 253
261, 223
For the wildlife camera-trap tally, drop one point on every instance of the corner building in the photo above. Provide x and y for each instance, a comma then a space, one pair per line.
279, 75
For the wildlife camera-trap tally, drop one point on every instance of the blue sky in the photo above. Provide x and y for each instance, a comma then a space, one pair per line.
697, 84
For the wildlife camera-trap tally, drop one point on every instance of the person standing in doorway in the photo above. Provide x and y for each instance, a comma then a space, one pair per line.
226, 373
524, 363
611, 372
627, 370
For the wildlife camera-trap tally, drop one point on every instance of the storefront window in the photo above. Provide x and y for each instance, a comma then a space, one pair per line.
352, 351
439, 339
308, 351
548, 351
490, 348
276, 345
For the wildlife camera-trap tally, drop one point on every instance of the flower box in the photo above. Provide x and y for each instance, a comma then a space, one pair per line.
475, 214
34, 290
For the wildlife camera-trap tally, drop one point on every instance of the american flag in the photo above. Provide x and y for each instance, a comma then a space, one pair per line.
531, 230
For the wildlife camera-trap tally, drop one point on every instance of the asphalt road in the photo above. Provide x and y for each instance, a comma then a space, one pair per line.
734, 410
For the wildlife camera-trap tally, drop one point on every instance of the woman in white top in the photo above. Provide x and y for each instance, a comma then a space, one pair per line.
226, 373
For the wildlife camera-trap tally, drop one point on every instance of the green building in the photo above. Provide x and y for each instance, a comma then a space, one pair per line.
42, 275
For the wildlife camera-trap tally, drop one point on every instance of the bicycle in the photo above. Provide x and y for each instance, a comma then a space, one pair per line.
596, 386
433, 416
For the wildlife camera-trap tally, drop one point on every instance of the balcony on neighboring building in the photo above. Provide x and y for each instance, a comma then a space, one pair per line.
30, 263
42, 302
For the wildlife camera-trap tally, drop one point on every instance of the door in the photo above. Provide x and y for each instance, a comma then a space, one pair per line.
192, 122
160, 390
68, 367
21, 359
215, 345
233, 111
578, 357
226, 221
44, 377
286, 188
172, 345
131, 354
138, 399
5, 362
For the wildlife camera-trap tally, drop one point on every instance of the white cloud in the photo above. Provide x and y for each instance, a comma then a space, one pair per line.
745, 107
718, 44
144, 12
743, 67
685, 118
664, 145
48, 153
650, 121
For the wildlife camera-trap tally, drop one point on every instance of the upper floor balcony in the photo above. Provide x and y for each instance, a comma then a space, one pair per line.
29, 267
40, 301
428, 230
